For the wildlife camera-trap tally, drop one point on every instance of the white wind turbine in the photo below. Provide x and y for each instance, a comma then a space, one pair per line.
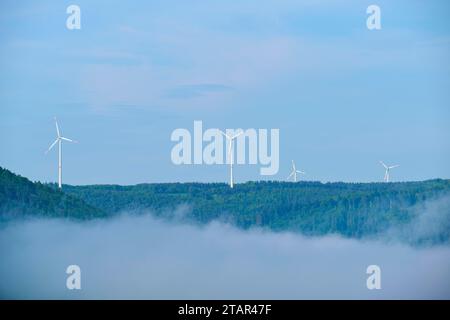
387, 168
230, 152
58, 141
294, 172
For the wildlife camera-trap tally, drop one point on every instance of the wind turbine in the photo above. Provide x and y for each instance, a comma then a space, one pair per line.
230, 152
388, 168
294, 172
58, 141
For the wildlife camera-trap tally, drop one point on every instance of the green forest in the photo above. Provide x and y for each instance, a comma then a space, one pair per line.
19, 197
312, 208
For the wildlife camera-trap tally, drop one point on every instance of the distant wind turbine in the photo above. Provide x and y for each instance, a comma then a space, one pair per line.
387, 168
294, 172
58, 141
230, 152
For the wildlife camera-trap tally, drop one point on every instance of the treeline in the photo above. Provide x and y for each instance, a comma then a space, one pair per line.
19, 197
313, 208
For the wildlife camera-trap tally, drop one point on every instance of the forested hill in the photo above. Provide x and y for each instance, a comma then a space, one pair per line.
20, 197
350, 209
312, 208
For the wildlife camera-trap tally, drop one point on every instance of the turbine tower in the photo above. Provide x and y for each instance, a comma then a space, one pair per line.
230, 152
387, 168
58, 141
294, 172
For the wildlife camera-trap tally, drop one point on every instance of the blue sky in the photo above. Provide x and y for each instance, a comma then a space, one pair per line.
342, 96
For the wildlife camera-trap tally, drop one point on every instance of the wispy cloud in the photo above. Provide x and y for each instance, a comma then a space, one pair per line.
197, 90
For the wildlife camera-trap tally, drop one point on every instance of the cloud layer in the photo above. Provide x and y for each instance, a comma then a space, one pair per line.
140, 257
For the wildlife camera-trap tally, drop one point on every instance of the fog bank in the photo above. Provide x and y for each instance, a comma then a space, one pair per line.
144, 258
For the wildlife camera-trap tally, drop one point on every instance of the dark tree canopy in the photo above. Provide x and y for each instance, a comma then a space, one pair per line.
312, 208
19, 197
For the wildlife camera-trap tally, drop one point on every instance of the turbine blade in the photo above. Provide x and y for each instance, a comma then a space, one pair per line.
57, 128
292, 173
382, 163
301, 172
237, 134
395, 166
293, 165
51, 146
67, 139
224, 134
